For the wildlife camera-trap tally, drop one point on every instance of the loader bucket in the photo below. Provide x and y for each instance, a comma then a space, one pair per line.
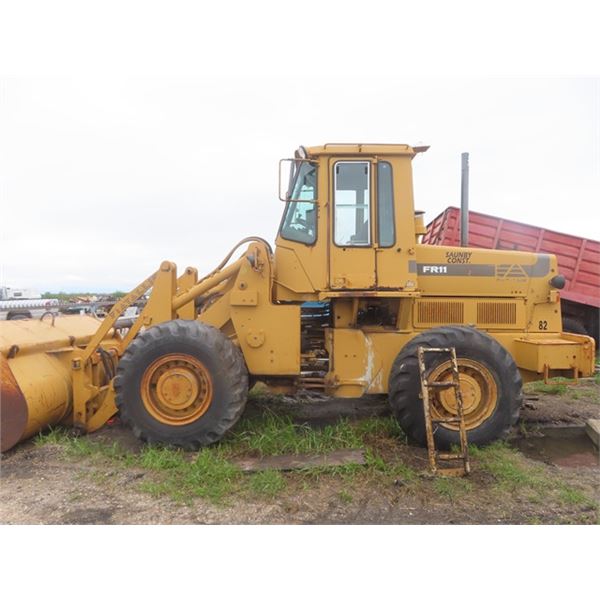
36, 388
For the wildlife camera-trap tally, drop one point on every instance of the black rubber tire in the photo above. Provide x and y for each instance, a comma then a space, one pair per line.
18, 316
572, 325
222, 359
405, 384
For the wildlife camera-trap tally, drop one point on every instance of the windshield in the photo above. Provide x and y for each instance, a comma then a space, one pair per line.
303, 181
300, 222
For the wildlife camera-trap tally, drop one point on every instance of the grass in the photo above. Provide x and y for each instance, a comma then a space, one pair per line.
161, 458
555, 388
82, 446
452, 487
559, 386
379, 427
391, 469
512, 474
272, 434
346, 497
504, 464
267, 483
211, 473
570, 495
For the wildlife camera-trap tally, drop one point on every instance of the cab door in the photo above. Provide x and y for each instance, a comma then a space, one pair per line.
352, 259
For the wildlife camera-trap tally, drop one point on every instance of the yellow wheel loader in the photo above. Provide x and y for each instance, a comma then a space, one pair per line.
341, 306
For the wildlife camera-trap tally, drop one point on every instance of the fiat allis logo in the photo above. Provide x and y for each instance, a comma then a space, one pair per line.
510, 272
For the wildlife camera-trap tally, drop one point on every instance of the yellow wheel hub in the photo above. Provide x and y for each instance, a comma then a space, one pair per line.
176, 389
478, 388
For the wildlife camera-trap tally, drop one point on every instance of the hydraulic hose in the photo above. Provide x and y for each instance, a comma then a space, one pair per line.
246, 240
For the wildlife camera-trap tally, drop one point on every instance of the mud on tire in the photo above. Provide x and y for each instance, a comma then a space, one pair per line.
476, 348
225, 373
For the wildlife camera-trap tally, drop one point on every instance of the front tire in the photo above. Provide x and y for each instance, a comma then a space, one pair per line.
181, 383
491, 386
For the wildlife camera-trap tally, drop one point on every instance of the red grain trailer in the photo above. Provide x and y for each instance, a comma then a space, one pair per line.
578, 258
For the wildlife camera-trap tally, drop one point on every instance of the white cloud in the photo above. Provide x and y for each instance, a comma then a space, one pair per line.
163, 141
105, 179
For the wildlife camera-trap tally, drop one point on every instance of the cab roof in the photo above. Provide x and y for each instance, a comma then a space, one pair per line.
354, 148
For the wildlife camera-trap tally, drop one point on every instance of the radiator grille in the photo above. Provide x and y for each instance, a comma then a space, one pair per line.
441, 312
496, 313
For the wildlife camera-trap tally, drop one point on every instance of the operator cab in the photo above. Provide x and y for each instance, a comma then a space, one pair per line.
348, 223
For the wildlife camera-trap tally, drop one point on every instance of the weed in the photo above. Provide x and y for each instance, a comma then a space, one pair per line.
267, 483
163, 488
81, 446
210, 475
525, 429
379, 427
116, 452
507, 467
99, 477
503, 463
592, 394
162, 458
452, 487
344, 472
396, 469
570, 495
534, 521
53, 435
258, 392
376, 462
346, 497
272, 434
404, 472
556, 388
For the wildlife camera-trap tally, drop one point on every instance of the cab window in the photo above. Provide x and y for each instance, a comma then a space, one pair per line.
300, 222
385, 205
352, 195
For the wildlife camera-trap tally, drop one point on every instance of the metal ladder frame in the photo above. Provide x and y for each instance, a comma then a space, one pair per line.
434, 455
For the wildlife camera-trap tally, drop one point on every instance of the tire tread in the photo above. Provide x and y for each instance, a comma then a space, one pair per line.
404, 378
202, 335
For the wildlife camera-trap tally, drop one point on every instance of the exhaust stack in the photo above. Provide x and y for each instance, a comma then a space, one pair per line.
464, 200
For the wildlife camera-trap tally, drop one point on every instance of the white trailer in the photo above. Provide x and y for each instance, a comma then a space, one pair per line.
24, 304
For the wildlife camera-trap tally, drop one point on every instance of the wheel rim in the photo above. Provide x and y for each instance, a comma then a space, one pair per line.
478, 388
176, 389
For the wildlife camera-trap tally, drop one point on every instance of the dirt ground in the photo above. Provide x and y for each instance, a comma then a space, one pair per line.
42, 484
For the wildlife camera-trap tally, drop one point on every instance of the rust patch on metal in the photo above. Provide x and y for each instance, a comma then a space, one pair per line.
13, 408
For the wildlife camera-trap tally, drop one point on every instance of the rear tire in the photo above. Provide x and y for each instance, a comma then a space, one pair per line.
490, 382
181, 383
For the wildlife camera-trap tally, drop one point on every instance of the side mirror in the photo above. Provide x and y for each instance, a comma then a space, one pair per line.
298, 180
